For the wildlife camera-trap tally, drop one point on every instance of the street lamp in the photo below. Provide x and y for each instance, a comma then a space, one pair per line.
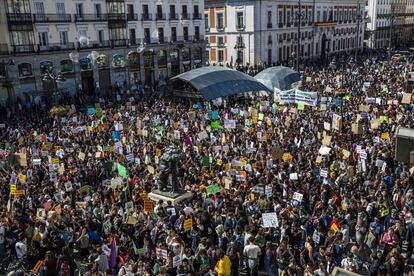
299, 16
56, 77
239, 47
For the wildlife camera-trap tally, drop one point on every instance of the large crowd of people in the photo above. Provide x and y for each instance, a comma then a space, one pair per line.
276, 189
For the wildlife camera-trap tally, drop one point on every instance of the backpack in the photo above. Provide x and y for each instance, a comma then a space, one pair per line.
64, 269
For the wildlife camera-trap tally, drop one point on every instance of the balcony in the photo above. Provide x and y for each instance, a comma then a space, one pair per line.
162, 39
160, 16
19, 18
174, 16
240, 28
90, 17
197, 16
269, 25
136, 41
146, 17
119, 43
4, 49
116, 16
42, 18
56, 47
185, 16
132, 16
21, 49
95, 44
325, 23
221, 44
220, 28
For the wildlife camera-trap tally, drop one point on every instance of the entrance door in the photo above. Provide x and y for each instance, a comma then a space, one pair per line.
148, 76
104, 81
88, 87
323, 47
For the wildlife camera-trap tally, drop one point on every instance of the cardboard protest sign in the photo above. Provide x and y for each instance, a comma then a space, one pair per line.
406, 98
270, 220
326, 141
336, 122
36, 268
356, 128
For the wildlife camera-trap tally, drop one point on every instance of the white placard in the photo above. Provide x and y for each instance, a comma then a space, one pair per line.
270, 220
202, 135
363, 155
324, 173
324, 150
326, 126
293, 176
316, 237
297, 196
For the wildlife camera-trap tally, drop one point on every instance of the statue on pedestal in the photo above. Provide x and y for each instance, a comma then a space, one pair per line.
169, 165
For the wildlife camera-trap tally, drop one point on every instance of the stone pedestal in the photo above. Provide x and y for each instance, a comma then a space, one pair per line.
174, 198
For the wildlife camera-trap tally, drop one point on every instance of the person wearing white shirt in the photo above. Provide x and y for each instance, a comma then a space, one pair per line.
349, 263
252, 253
21, 249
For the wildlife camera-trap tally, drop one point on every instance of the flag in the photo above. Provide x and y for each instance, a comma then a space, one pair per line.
114, 253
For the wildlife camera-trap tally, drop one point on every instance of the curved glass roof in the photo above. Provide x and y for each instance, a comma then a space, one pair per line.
212, 82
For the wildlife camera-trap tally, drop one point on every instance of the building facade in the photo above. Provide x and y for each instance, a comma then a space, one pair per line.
266, 32
390, 24
96, 44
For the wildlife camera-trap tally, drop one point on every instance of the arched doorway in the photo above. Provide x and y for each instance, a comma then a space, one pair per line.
186, 58
197, 57
149, 67
175, 62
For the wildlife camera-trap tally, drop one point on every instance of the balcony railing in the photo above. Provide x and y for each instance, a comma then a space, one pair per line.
269, 25
280, 25
116, 16
52, 18
95, 44
240, 27
90, 17
185, 16
20, 49
19, 18
174, 39
174, 16
136, 41
146, 17
160, 16
197, 16
132, 17
325, 23
220, 28
220, 44
56, 47
4, 49
119, 43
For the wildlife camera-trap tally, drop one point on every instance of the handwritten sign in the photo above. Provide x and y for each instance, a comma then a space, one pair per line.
270, 220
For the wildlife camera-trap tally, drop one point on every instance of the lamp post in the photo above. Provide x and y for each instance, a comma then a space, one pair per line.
56, 77
239, 47
392, 18
299, 16
8, 84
